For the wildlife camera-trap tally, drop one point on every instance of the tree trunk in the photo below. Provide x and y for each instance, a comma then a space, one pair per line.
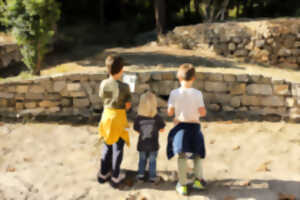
221, 13
160, 16
101, 13
196, 7
37, 69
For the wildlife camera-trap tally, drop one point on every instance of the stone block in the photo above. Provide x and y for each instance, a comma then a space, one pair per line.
157, 76
242, 77
214, 107
232, 46
198, 84
78, 94
22, 89
290, 102
266, 80
58, 86
3, 103
251, 100
48, 104
208, 97
215, 77
242, 109
20, 96
47, 85
32, 111
6, 95
141, 88
98, 77
281, 89
52, 96
34, 96
30, 105
74, 87
229, 77
281, 111
36, 89
95, 99
237, 88
259, 89
215, 86
52, 110
20, 106
241, 53
144, 77
164, 87
66, 102
296, 89
223, 99
273, 101
235, 101
77, 77
80, 103
200, 76
255, 78
228, 108
11, 89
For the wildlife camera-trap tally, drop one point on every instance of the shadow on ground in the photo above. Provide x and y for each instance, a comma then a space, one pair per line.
222, 189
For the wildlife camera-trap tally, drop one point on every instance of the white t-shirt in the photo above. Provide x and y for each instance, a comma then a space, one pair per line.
186, 102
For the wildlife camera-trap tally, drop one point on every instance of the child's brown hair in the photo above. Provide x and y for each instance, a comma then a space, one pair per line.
114, 64
186, 72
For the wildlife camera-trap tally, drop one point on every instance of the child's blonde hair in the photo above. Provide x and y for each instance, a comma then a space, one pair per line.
148, 105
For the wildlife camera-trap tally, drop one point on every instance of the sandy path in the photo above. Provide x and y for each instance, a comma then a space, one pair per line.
250, 160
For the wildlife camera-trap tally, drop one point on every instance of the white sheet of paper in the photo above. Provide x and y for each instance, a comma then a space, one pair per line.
130, 79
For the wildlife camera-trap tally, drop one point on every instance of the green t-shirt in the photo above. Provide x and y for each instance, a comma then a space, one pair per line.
114, 93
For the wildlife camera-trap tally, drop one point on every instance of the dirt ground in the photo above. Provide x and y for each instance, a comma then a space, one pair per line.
245, 160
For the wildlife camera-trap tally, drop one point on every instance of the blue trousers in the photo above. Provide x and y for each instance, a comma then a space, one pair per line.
144, 157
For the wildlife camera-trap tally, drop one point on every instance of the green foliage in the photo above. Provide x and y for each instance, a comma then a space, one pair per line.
32, 23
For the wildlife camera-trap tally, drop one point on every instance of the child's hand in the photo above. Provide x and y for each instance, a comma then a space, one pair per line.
161, 130
127, 105
175, 121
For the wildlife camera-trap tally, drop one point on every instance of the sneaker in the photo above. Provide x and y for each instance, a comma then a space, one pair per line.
155, 179
181, 189
120, 178
199, 184
103, 178
140, 177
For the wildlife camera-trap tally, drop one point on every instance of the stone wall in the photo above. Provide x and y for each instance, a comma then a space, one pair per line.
77, 94
9, 53
275, 42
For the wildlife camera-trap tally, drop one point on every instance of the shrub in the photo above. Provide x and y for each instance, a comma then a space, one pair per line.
32, 23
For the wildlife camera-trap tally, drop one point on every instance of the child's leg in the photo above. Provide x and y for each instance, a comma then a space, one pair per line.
142, 164
152, 164
198, 171
117, 156
182, 169
106, 158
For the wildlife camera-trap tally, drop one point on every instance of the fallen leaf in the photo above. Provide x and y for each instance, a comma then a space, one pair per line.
286, 197
11, 169
264, 167
237, 148
28, 159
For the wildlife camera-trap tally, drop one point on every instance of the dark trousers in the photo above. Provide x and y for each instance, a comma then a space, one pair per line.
111, 158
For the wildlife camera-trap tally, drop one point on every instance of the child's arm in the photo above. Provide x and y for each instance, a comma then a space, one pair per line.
171, 111
161, 130
202, 111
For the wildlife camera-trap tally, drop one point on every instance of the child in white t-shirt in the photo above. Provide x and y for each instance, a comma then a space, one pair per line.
186, 138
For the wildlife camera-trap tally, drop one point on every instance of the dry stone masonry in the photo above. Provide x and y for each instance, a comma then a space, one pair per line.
275, 41
9, 53
77, 94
